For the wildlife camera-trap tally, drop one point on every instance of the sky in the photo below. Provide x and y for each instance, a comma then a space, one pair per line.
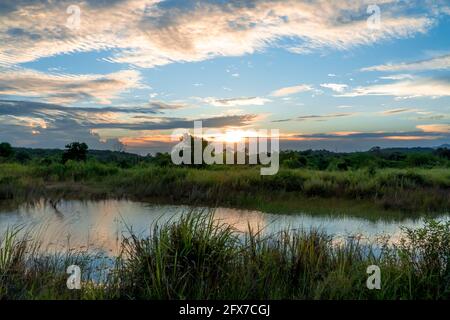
124, 74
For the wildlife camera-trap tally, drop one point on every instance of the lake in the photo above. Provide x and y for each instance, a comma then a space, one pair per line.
99, 225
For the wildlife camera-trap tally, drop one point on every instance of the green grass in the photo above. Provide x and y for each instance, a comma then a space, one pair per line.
198, 258
413, 190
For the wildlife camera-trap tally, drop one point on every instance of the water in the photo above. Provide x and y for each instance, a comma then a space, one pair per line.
99, 225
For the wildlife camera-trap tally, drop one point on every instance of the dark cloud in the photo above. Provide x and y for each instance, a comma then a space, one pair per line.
21, 33
162, 106
168, 123
27, 108
67, 124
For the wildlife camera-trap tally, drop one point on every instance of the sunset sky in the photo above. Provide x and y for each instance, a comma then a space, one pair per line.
327, 74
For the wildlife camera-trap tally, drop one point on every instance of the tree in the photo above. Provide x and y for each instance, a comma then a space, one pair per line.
6, 150
443, 153
22, 157
296, 161
75, 151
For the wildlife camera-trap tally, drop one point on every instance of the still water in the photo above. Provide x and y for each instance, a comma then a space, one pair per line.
99, 225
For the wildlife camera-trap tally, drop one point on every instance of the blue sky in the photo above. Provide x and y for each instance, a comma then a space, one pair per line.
339, 75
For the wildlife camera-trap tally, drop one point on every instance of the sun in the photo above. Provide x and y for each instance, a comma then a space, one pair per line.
233, 136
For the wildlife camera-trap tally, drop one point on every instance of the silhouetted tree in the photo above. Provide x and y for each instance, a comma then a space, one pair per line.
75, 151
6, 150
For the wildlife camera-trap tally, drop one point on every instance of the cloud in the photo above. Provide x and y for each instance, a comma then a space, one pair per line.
67, 88
291, 90
398, 77
36, 124
436, 63
434, 128
420, 87
163, 106
336, 87
234, 102
401, 136
323, 117
434, 117
149, 33
398, 110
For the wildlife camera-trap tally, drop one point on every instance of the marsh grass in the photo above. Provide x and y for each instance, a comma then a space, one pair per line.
197, 257
407, 190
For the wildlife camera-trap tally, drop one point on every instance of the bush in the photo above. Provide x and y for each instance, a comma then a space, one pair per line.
296, 162
420, 160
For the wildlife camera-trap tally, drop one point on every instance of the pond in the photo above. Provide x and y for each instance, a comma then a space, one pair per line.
100, 225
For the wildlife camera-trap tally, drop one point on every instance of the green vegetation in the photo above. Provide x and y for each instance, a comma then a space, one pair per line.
413, 180
198, 258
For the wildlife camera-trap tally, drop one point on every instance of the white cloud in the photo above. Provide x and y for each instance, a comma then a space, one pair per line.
336, 87
146, 34
398, 77
234, 102
291, 90
437, 63
423, 87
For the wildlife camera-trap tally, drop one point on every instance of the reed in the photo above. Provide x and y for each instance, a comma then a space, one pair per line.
409, 190
198, 257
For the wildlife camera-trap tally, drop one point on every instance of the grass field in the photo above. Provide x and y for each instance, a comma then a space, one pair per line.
411, 190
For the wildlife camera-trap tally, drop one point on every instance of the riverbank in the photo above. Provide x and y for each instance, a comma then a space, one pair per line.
198, 258
414, 190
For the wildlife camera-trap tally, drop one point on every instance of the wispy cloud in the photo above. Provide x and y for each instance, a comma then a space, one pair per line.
397, 111
167, 106
398, 77
436, 63
67, 88
154, 32
235, 102
291, 90
323, 117
420, 87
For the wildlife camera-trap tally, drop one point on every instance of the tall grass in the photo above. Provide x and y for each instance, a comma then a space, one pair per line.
413, 189
197, 257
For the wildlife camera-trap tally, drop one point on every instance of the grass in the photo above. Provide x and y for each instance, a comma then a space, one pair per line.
413, 190
199, 258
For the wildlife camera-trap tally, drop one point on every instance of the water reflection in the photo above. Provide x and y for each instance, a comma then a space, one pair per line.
99, 225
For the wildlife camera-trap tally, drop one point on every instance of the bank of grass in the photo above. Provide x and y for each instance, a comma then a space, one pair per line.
413, 190
198, 258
